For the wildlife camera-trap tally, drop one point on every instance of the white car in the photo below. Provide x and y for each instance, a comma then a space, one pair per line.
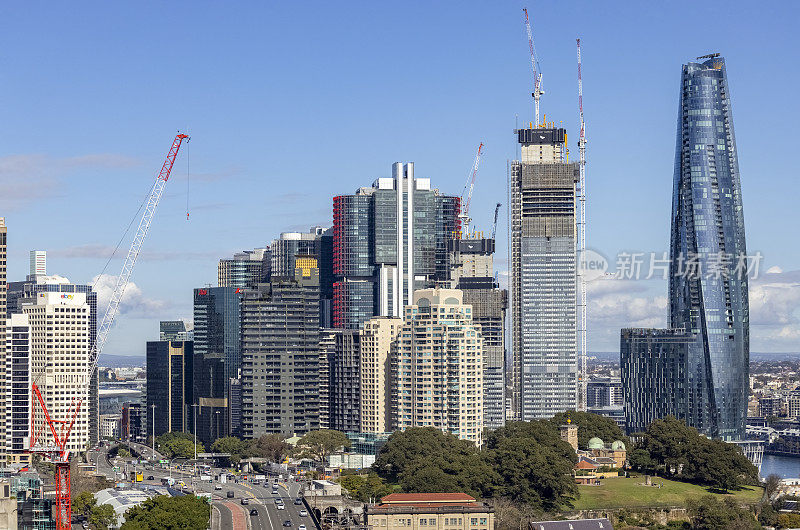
281, 506
303, 513
301, 527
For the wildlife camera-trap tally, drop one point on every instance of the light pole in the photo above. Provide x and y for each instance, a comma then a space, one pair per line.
216, 423
194, 414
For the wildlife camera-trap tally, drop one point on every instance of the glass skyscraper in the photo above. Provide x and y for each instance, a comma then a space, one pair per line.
708, 284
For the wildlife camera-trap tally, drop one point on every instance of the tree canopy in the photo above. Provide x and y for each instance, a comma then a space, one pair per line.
365, 488
169, 513
177, 445
671, 448
317, 445
271, 446
708, 513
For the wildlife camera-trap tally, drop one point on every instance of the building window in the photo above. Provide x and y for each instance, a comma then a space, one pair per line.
423, 522
473, 521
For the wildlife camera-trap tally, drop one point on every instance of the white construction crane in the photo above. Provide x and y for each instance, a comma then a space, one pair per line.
537, 73
466, 195
582, 329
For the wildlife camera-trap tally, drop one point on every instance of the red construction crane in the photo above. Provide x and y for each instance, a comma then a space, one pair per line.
60, 429
466, 195
537, 73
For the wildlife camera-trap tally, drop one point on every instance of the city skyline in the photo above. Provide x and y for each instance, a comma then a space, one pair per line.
73, 167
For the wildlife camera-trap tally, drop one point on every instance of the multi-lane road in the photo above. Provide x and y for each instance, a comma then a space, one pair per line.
230, 513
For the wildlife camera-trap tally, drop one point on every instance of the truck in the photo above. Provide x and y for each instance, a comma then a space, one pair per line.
139, 477
223, 478
206, 478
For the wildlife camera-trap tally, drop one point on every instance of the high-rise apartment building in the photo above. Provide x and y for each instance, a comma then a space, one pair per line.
246, 269
708, 288
217, 357
473, 272
389, 240
3, 315
340, 377
653, 363
170, 385
17, 398
437, 368
543, 276
280, 354
604, 392
60, 349
132, 423
377, 341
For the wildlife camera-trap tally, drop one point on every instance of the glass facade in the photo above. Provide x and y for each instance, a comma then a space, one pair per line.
708, 291
170, 385
653, 363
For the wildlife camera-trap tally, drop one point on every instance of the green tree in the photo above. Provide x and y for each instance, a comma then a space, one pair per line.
123, 453
427, 460
169, 513
592, 426
83, 503
708, 513
365, 488
788, 520
270, 446
102, 517
177, 445
230, 444
533, 463
317, 445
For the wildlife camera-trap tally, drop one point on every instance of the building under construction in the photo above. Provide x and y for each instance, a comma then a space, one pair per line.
542, 212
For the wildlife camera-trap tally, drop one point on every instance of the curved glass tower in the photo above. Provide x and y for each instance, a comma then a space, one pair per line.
708, 277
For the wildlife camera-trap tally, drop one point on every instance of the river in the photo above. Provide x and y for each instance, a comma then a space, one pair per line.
783, 466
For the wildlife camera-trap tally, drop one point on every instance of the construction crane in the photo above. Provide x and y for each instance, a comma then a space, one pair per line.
537, 73
582, 324
466, 195
60, 429
494, 224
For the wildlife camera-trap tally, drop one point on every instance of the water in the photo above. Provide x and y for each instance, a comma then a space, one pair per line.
783, 466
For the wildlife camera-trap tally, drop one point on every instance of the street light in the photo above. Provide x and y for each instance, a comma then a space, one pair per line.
153, 406
194, 414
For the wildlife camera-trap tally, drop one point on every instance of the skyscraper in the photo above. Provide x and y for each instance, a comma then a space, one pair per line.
437, 366
378, 336
389, 240
170, 386
245, 269
341, 380
217, 357
708, 287
3, 316
473, 272
17, 398
280, 354
38, 264
543, 276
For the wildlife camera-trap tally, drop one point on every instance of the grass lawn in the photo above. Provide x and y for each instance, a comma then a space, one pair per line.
620, 492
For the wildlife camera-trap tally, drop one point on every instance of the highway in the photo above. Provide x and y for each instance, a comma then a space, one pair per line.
228, 513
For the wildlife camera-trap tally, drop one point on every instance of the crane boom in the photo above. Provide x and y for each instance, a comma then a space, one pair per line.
582, 321
537, 74
466, 195
57, 452
494, 225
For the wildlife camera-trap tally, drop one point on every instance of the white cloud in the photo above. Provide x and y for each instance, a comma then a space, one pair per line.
134, 302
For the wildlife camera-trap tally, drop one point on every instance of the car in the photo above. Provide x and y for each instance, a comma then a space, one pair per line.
287, 523
267, 485
281, 506
278, 501
217, 487
301, 527
245, 502
298, 501
253, 512
151, 477
230, 494
85, 525
303, 513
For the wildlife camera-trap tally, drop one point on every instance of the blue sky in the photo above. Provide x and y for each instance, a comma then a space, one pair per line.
290, 104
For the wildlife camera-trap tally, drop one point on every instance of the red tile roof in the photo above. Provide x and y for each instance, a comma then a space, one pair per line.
396, 498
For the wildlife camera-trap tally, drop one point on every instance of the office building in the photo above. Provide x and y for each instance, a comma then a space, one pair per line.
109, 426
38, 263
793, 404
27, 292
280, 354
655, 378
342, 380
771, 406
389, 240
604, 392
246, 269
378, 336
543, 276
132, 423
3, 315
217, 358
60, 348
472, 271
437, 368
17, 399
170, 386
174, 330
708, 289
317, 242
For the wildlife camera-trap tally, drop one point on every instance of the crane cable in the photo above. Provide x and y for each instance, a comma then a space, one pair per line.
187, 174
